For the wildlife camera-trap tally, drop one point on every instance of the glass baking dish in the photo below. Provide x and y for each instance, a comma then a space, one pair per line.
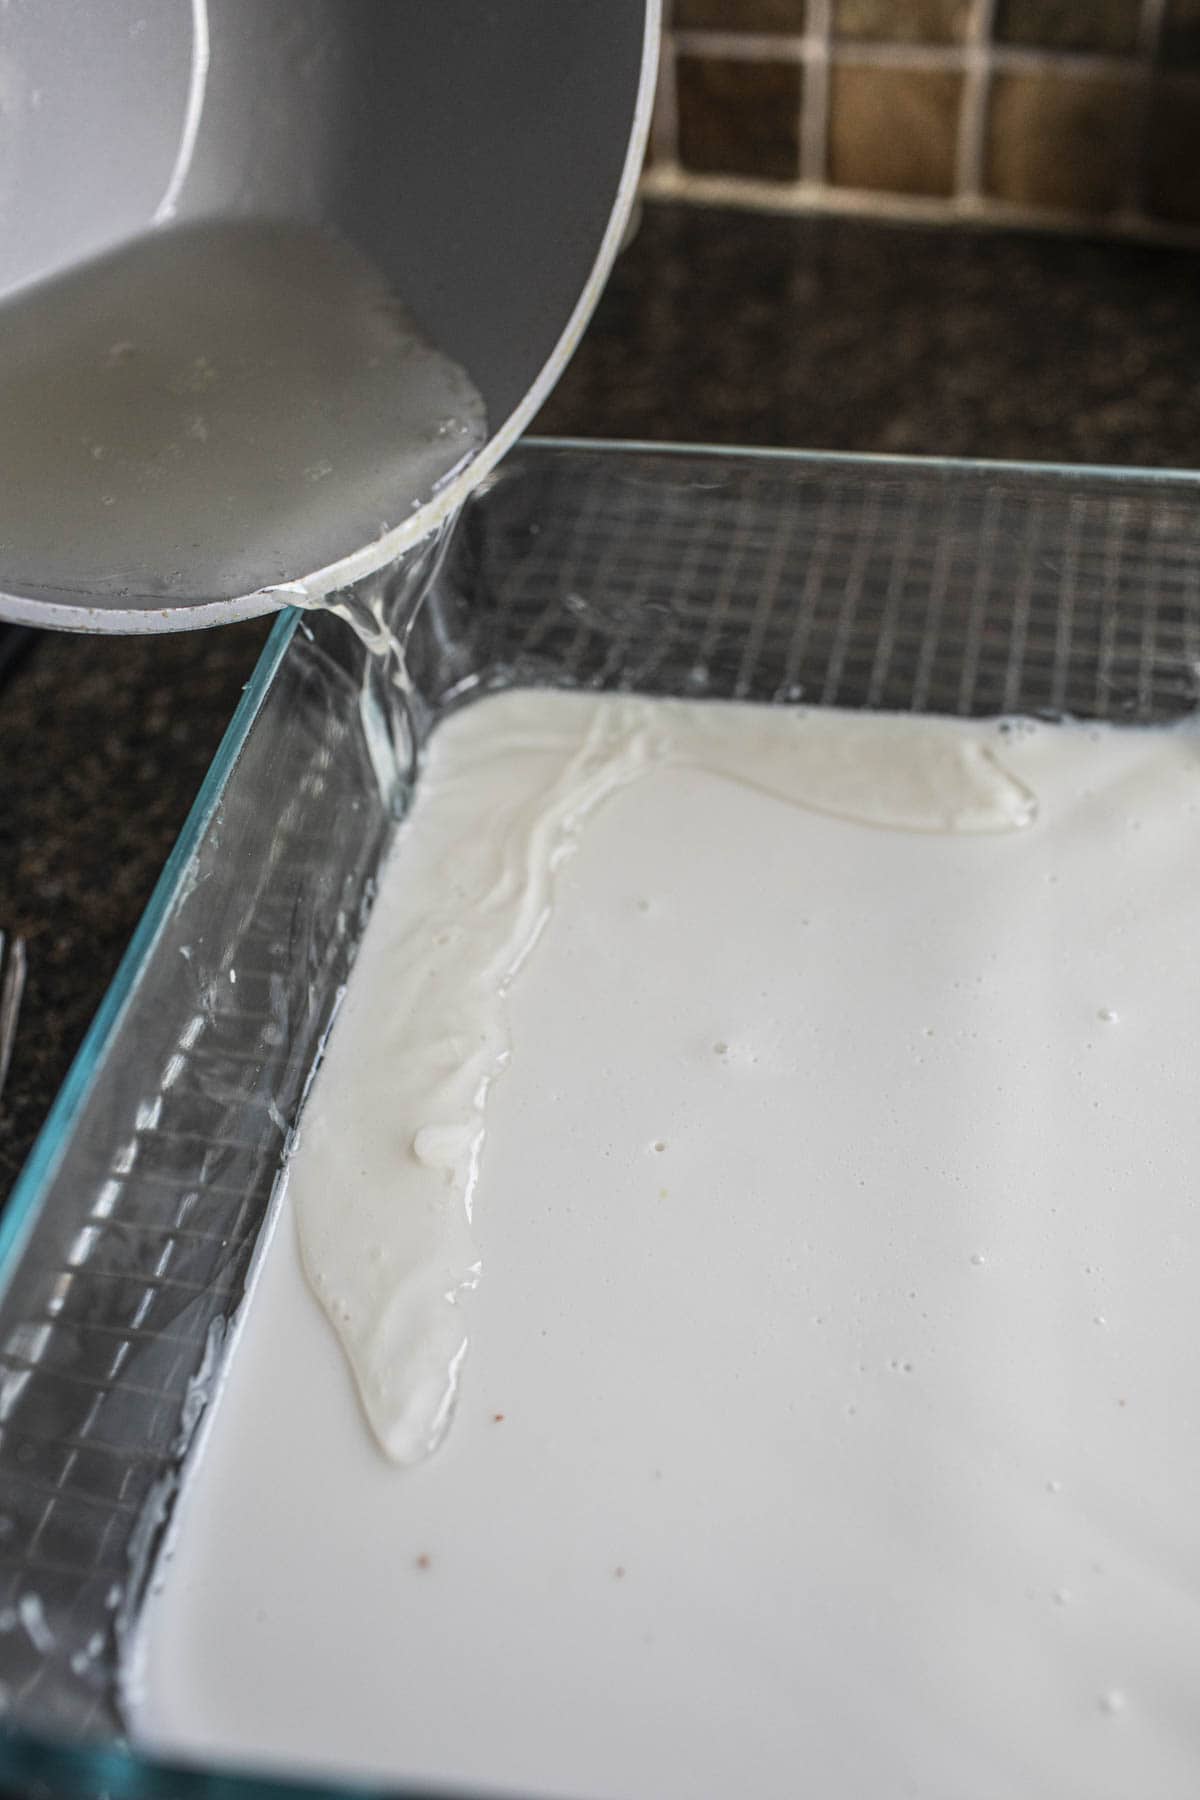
128, 1244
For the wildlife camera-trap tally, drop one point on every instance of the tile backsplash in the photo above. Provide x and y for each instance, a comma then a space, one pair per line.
1060, 112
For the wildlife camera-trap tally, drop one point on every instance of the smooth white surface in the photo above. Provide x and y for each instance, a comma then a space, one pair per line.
846, 1443
507, 795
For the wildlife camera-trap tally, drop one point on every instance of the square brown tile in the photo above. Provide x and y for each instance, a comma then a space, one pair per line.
739, 118
740, 15
1110, 26
902, 21
1180, 44
894, 130
1061, 140
1172, 175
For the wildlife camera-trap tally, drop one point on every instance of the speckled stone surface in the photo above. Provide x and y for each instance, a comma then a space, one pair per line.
840, 334
103, 744
716, 327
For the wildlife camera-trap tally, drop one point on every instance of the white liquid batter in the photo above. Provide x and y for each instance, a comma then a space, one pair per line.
827, 1424
388, 1246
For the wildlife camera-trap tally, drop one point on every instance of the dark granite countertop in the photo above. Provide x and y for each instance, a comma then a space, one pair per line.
716, 327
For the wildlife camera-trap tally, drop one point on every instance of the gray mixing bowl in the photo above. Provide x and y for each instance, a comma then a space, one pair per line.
218, 218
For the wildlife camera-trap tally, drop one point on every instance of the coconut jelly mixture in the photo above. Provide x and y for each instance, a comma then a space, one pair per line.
826, 1417
388, 1246
218, 408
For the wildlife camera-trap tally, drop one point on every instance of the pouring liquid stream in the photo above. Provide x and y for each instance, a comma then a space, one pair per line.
381, 612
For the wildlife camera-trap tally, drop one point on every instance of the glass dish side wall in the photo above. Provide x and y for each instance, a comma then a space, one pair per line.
131, 1233
914, 586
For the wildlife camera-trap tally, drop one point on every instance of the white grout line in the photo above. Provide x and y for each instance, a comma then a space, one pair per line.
1150, 28
998, 56
747, 46
973, 113
814, 197
742, 46
1150, 32
814, 100
664, 121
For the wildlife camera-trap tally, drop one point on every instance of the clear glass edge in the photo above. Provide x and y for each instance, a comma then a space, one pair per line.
25, 1759
875, 460
31, 1765
51, 1140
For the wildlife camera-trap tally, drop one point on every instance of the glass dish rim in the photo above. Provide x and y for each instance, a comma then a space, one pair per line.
116, 1768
